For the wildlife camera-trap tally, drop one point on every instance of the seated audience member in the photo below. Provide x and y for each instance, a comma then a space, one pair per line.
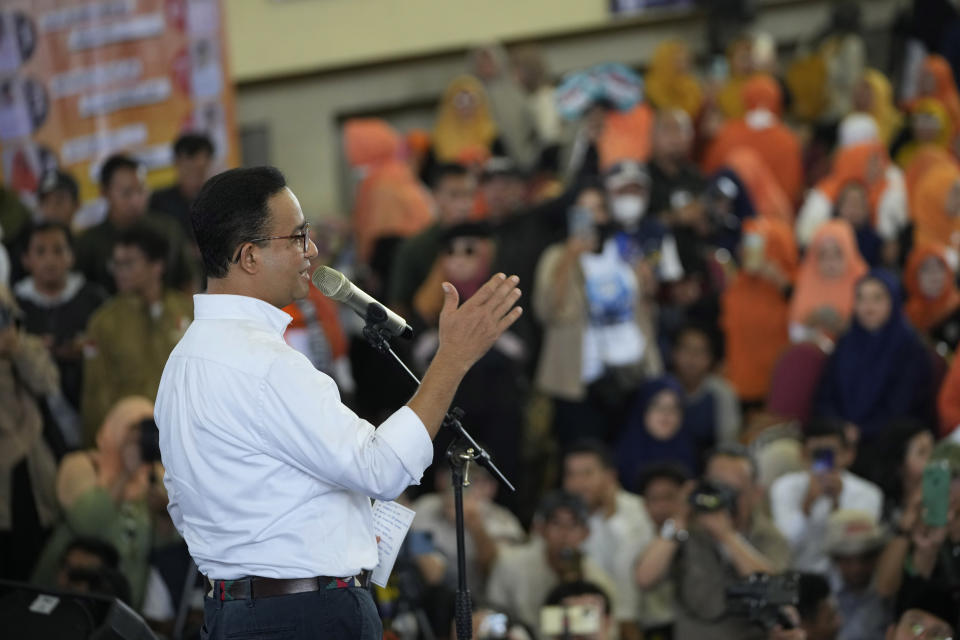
664, 488
854, 541
825, 282
523, 575
193, 160
853, 206
91, 565
766, 194
656, 431
874, 96
754, 341
937, 81
487, 525
801, 502
130, 337
464, 123
587, 595
453, 189
57, 302
619, 525
670, 83
930, 129
934, 207
598, 342
28, 506
675, 181
794, 381
113, 494
906, 449
819, 618
722, 547
710, 404
390, 204
879, 370
762, 130
933, 301
869, 164
58, 198
123, 185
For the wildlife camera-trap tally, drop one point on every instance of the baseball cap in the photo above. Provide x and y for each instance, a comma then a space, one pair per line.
55, 180
851, 532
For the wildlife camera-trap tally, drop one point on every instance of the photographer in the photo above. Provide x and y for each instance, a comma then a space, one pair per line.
113, 493
729, 539
590, 602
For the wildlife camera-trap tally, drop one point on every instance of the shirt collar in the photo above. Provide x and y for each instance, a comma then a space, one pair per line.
223, 306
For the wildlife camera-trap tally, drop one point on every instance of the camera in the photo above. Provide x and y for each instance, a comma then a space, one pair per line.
149, 441
708, 497
761, 599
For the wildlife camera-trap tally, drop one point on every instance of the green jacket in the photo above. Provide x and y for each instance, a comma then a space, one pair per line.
126, 350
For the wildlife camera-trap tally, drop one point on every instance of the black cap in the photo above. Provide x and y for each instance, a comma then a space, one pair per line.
557, 500
56, 180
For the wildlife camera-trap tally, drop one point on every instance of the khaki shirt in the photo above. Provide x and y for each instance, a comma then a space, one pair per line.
126, 350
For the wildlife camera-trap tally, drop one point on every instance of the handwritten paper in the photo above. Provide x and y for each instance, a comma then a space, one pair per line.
391, 521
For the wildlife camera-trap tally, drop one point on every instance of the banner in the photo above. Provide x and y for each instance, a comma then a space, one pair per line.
81, 80
633, 7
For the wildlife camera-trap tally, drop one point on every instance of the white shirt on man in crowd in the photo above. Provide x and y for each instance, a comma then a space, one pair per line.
285, 468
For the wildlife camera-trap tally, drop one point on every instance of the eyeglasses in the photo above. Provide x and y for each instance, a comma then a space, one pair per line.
303, 237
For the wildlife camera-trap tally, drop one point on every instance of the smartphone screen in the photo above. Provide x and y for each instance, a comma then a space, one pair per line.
580, 222
823, 461
936, 493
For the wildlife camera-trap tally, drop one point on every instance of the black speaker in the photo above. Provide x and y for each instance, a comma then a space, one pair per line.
31, 613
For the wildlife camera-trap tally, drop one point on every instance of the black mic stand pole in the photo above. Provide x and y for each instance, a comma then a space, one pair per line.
461, 452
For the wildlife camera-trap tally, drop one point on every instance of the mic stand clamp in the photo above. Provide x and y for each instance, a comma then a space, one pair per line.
461, 452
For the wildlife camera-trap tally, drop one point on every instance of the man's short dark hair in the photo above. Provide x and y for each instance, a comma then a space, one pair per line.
574, 589
733, 450
115, 163
447, 170
594, 447
151, 241
825, 428
560, 500
102, 549
232, 209
45, 227
670, 471
104, 581
191, 144
813, 589
713, 340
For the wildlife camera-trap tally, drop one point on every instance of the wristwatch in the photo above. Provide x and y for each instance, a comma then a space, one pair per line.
670, 531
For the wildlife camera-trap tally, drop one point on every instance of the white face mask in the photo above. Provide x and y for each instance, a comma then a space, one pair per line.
627, 210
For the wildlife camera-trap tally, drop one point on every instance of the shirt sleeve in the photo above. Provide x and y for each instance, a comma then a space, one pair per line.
786, 504
303, 423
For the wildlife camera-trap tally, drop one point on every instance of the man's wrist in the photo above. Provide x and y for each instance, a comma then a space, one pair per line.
674, 531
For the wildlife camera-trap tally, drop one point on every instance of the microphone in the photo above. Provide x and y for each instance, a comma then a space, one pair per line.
335, 285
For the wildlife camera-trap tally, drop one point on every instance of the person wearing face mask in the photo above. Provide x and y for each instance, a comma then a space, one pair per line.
933, 301
599, 342
640, 238
880, 369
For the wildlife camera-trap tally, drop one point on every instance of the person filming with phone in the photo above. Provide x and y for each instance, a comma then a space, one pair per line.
802, 501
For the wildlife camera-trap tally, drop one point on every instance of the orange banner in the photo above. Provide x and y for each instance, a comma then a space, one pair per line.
83, 79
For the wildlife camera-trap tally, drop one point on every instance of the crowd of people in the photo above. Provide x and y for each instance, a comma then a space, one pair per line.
737, 352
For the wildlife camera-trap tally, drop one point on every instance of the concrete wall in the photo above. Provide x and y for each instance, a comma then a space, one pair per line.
301, 114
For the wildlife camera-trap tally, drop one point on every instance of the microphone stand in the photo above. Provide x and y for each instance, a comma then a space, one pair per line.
461, 452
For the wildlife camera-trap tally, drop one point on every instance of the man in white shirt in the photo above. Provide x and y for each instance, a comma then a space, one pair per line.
619, 525
802, 501
269, 475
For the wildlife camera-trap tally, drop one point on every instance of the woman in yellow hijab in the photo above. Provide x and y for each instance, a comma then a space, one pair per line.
730, 97
464, 120
874, 96
930, 122
669, 83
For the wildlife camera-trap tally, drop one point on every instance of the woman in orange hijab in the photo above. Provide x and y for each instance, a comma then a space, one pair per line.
464, 120
669, 83
754, 307
936, 81
761, 130
389, 200
932, 295
935, 206
767, 196
828, 274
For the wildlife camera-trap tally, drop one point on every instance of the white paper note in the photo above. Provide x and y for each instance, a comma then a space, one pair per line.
391, 521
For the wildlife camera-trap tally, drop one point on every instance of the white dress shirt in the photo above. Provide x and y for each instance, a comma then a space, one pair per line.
268, 474
807, 533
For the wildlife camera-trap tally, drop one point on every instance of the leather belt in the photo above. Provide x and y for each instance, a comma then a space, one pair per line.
257, 587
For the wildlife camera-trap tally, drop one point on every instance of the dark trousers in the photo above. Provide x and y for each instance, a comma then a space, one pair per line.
328, 613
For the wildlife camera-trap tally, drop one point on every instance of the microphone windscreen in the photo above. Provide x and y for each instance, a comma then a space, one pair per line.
330, 282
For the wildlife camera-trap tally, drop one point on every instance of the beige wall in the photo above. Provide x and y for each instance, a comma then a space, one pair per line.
302, 113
